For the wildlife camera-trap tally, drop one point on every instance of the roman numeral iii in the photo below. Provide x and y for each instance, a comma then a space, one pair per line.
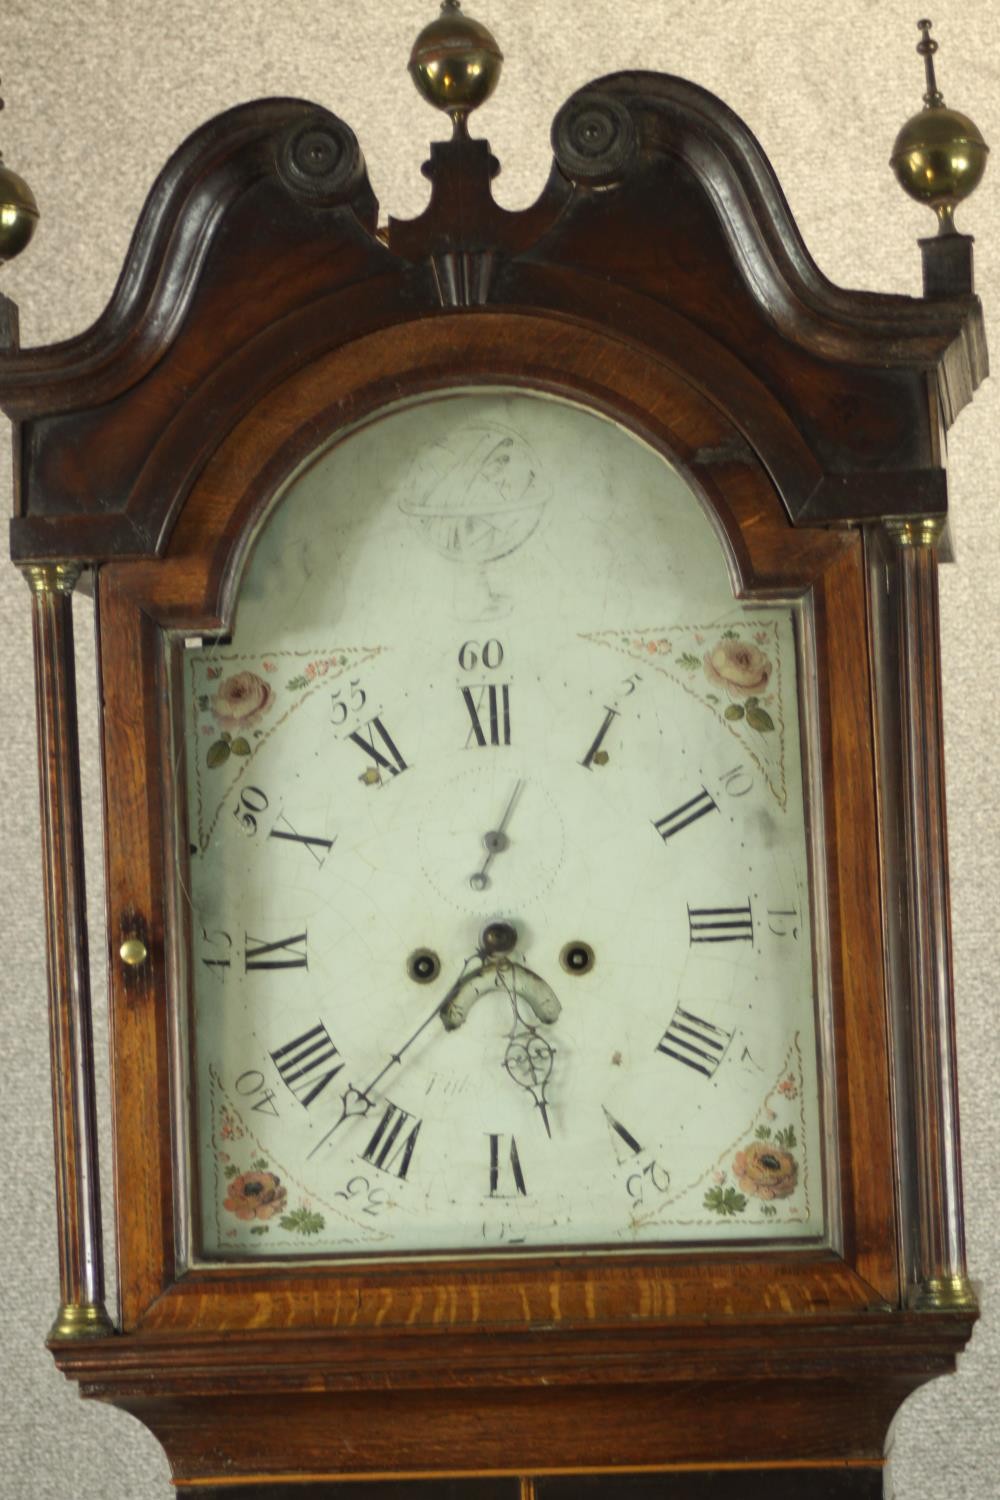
489, 710
695, 1042
682, 817
720, 924
306, 1063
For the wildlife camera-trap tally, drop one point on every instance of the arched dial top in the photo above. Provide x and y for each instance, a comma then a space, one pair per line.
498, 881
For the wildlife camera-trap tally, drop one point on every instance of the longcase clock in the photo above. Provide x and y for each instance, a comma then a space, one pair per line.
531, 1014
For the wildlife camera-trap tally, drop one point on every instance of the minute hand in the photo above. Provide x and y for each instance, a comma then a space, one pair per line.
397, 1056
358, 1101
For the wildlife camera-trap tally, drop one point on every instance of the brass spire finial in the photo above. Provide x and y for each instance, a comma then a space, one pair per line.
939, 155
927, 47
18, 211
455, 63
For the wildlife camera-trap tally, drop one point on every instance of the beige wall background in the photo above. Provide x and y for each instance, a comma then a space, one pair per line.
98, 95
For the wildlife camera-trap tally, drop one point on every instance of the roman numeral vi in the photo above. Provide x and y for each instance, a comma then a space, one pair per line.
506, 1175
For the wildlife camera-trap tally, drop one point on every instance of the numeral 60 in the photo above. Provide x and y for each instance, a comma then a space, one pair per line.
490, 653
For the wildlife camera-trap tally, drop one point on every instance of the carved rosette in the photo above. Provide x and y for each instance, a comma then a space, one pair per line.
594, 139
321, 159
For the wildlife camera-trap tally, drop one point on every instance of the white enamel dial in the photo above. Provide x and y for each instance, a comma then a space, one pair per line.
498, 877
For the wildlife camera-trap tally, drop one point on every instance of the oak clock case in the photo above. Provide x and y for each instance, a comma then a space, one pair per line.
527, 902
499, 897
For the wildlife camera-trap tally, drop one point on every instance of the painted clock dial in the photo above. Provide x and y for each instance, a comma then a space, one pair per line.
502, 930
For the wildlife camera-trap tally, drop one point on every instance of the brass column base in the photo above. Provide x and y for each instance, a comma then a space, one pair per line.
81, 1321
944, 1294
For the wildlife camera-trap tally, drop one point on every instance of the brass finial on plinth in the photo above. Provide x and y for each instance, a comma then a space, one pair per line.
18, 211
455, 63
939, 155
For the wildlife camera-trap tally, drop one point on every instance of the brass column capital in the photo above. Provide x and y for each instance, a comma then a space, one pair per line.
916, 531
51, 577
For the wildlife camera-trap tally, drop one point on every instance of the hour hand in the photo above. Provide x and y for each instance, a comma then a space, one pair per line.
528, 1060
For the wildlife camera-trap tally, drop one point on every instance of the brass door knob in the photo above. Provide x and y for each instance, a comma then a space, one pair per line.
133, 952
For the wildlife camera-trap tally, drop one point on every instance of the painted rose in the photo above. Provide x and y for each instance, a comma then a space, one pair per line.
739, 667
256, 1195
765, 1171
241, 700
230, 1128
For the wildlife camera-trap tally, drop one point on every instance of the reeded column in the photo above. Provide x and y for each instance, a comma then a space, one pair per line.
78, 1200
940, 1279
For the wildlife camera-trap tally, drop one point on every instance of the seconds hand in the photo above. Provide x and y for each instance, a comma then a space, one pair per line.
357, 1101
495, 841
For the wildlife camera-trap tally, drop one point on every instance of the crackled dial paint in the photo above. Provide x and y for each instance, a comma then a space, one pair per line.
498, 875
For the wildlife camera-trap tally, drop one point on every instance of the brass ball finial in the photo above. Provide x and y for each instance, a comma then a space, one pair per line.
455, 63
939, 155
18, 211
